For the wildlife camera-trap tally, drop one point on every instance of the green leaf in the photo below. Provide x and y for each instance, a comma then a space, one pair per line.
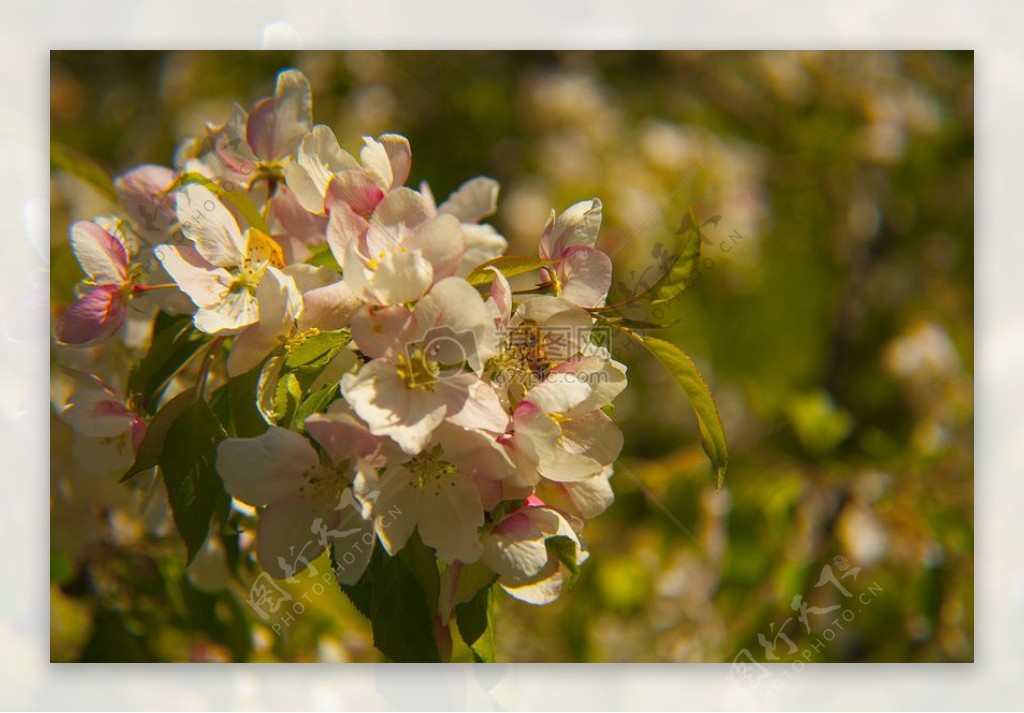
475, 619
188, 462
687, 376
237, 198
61, 568
677, 278
564, 550
323, 256
287, 396
361, 593
174, 343
317, 350
422, 562
402, 623
152, 445
509, 265
246, 418
77, 164
316, 402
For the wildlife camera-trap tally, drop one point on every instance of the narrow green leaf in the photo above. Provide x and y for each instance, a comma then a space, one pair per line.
152, 445
316, 402
188, 463
237, 198
508, 265
676, 279
174, 343
77, 164
687, 376
287, 396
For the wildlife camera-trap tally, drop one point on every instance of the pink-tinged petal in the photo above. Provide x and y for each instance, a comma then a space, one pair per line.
455, 308
586, 275
330, 307
319, 158
143, 193
139, 428
267, 468
232, 147
341, 435
381, 330
472, 403
102, 256
294, 220
515, 548
97, 413
276, 126
402, 206
399, 155
475, 199
344, 228
534, 438
585, 499
357, 190
285, 542
578, 225
439, 240
500, 300
97, 314
376, 163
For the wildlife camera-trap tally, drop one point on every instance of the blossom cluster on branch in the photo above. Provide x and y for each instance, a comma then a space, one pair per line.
350, 360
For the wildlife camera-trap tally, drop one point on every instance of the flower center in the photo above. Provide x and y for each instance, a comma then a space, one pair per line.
324, 486
432, 474
416, 371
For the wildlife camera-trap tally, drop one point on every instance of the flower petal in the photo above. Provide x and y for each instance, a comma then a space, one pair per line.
102, 256
586, 276
380, 397
267, 468
450, 515
285, 543
475, 199
577, 225
277, 126
93, 316
208, 222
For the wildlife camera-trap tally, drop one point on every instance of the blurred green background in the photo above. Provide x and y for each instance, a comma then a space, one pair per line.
832, 315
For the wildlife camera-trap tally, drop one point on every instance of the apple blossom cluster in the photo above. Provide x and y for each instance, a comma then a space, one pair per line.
408, 390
